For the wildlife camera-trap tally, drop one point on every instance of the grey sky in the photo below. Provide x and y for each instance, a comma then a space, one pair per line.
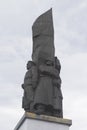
70, 25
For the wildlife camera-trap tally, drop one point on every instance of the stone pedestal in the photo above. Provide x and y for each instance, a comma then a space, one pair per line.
32, 121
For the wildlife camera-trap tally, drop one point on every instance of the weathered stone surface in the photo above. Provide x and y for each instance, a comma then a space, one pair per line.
42, 82
43, 37
32, 121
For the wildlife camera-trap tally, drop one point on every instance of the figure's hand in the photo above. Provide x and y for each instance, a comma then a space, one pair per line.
34, 85
22, 86
57, 82
41, 68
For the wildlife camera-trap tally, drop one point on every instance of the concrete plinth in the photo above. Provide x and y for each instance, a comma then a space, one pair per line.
32, 121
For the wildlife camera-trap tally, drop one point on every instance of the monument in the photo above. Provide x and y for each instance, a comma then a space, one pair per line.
42, 99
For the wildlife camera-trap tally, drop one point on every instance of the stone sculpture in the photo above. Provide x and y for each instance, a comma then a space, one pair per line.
42, 82
30, 83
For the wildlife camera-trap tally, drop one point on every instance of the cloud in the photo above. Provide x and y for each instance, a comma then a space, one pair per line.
17, 16
70, 24
10, 117
74, 88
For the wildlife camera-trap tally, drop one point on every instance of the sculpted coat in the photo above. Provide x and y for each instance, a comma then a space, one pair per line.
44, 90
30, 82
57, 91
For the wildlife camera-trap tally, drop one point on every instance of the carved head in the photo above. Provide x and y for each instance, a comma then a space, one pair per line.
57, 63
49, 63
30, 64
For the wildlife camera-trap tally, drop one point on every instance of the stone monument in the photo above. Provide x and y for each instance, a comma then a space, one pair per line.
42, 99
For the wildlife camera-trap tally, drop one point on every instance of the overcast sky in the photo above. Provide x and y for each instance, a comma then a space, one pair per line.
70, 25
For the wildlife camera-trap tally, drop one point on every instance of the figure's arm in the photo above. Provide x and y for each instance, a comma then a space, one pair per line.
57, 82
58, 65
22, 86
49, 70
34, 76
26, 77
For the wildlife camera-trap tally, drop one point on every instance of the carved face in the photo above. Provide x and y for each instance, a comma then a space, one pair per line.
29, 64
49, 63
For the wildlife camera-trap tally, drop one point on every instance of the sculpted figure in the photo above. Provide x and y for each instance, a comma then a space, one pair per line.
43, 100
57, 92
30, 83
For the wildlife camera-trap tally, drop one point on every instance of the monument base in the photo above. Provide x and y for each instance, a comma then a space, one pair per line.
31, 121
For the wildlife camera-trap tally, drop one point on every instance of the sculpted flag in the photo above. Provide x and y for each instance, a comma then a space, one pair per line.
43, 37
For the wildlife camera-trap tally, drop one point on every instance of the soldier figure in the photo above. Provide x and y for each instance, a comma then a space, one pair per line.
43, 99
30, 83
58, 112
